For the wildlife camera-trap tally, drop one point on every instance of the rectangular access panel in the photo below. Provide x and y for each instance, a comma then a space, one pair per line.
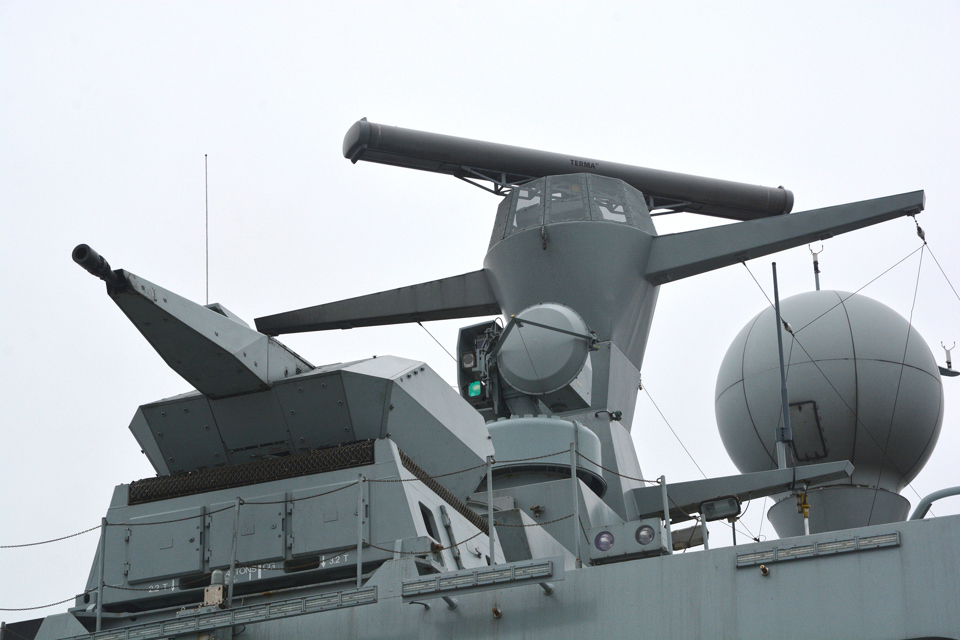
165, 545
328, 522
259, 536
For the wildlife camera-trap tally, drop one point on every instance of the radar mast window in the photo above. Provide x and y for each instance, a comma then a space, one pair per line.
565, 198
528, 208
570, 198
606, 196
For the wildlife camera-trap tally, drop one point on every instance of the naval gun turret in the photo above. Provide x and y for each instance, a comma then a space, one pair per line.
255, 397
267, 428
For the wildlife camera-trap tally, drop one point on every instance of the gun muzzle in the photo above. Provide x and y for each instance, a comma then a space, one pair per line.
93, 262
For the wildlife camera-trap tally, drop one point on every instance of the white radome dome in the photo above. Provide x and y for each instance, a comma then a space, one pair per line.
851, 399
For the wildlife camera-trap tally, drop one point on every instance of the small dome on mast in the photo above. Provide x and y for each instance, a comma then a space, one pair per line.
863, 386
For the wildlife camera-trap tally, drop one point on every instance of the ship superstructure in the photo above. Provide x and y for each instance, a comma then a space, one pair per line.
370, 499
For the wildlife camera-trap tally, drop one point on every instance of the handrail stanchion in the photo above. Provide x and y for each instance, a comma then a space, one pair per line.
102, 551
233, 552
576, 501
924, 505
784, 432
491, 529
359, 530
666, 514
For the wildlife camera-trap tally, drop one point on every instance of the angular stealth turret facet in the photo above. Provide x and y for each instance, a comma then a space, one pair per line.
211, 348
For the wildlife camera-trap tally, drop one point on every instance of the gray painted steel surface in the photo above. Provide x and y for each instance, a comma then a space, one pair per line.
155, 551
681, 255
457, 156
888, 593
538, 360
324, 407
580, 240
851, 399
60, 625
518, 438
615, 291
686, 497
607, 289
550, 503
215, 353
924, 505
462, 296
837, 507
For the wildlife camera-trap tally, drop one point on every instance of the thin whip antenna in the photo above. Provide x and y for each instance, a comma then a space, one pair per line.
206, 219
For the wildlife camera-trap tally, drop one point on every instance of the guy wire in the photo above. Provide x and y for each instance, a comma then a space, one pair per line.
206, 220
437, 341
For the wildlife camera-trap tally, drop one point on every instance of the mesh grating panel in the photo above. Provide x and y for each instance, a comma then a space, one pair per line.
356, 454
445, 495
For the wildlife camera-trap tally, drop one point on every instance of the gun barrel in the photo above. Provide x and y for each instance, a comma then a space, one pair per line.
93, 262
465, 158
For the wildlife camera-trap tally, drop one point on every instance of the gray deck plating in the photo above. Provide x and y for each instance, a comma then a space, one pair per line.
898, 592
886, 591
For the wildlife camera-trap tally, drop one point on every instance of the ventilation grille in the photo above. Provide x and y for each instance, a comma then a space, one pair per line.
356, 454
444, 495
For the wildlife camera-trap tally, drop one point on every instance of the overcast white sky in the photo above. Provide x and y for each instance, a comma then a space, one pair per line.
107, 109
